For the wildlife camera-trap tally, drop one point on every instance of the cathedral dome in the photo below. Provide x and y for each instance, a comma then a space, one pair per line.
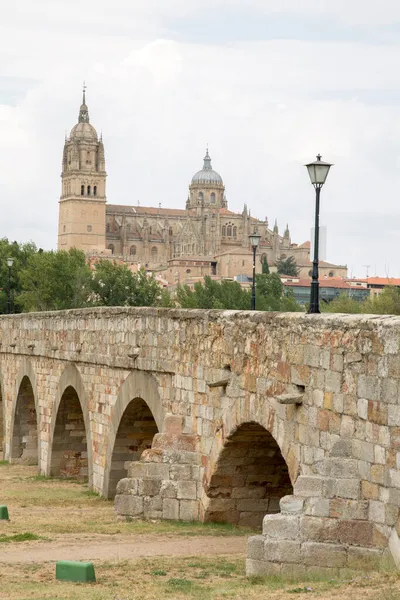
84, 130
207, 174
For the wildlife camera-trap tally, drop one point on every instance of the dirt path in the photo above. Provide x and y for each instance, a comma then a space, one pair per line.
118, 547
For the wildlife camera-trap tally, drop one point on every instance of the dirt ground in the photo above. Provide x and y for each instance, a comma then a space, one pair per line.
54, 520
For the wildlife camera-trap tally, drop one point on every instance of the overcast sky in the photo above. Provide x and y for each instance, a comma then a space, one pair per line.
266, 83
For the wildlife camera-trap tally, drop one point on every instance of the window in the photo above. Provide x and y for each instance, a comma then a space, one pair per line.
111, 247
170, 231
223, 230
242, 263
132, 250
89, 228
108, 227
331, 273
187, 270
88, 190
212, 198
154, 253
201, 195
95, 190
82, 190
229, 231
235, 231
310, 273
150, 230
64, 228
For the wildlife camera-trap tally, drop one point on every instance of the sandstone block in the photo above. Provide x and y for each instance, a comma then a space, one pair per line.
127, 486
188, 510
291, 505
170, 509
149, 487
253, 504
128, 505
356, 533
323, 555
308, 486
255, 547
282, 551
187, 490
342, 448
168, 489
341, 508
180, 472
281, 527
317, 507
364, 558
148, 470
318, 529
341, 467
333, 381
376, 511
152, 507
261, 568
342, 488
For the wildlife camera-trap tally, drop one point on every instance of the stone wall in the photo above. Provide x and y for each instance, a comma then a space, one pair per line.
250, 408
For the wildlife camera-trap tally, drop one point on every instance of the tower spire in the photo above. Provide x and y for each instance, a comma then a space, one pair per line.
83, 111
207, 161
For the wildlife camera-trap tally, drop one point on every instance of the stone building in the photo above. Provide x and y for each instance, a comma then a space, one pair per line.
204, 238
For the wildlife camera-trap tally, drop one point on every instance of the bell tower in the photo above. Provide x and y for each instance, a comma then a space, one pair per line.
82, 210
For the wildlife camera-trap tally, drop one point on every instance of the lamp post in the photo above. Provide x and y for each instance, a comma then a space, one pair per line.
254, 242
10, 262
318, 172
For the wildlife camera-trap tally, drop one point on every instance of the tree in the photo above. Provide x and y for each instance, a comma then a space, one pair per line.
387, 303
265, 267
20, 253
270, 295
54, 281
214, 294
343, 304
115, 285
287, 266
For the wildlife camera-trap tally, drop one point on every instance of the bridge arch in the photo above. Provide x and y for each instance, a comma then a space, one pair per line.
253, 450
24, 425
70, 450
138, 399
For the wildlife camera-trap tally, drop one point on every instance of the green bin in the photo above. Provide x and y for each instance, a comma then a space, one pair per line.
68, 570
4, 513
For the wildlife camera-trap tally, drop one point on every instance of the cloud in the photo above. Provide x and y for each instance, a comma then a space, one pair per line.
264, 107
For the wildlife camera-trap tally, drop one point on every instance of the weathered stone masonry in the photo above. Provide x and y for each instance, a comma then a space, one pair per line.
236, 415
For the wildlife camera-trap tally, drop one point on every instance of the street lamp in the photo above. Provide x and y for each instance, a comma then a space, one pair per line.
254, 242
318, 172
10, 262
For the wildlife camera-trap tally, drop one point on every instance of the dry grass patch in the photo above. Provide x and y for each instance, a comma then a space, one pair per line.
59, 506
197, 578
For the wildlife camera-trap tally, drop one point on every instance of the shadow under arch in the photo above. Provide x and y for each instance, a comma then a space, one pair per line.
247, 475
25, 418
70, 396
138, 386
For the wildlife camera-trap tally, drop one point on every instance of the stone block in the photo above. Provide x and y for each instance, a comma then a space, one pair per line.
281, 527
356, 533
341, 467
255, 547
363, 450
341, 508
127, 486
173, 424
168, 489
152, 507
180, 472
333, 381
170, 509
316, 554
253, 504
188, 510
291, 505
369, 387
342, 488
148, 470
342, 448
149, 487
393, 415
187, 490
308, 486
282, 551
184, 442
128, 505
318, 529
376, 511
261, 568
364, 559
362, 408
317, 507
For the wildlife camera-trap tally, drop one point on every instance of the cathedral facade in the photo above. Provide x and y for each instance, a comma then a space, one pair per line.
204, 238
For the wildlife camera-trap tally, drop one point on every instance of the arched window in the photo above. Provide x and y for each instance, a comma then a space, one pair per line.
154, 253
212, 198
88, 190
223, 230
111, 247
229, 231
150, 230
170, 231
132, 251
201, 195
82, 190
235, 231
95, 190
331, 273
192, 248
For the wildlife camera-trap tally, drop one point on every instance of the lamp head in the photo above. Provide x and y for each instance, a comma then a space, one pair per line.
318, 171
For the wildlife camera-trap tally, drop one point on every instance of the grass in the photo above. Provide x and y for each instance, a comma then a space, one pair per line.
183, 578
63, 506
67, 510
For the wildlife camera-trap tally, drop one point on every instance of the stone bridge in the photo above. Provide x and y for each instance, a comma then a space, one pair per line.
285, 422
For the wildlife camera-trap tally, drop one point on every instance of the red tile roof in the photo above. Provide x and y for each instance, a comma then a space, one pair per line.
383, 281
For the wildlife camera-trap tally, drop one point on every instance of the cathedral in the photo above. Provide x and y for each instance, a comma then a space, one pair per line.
181, 245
